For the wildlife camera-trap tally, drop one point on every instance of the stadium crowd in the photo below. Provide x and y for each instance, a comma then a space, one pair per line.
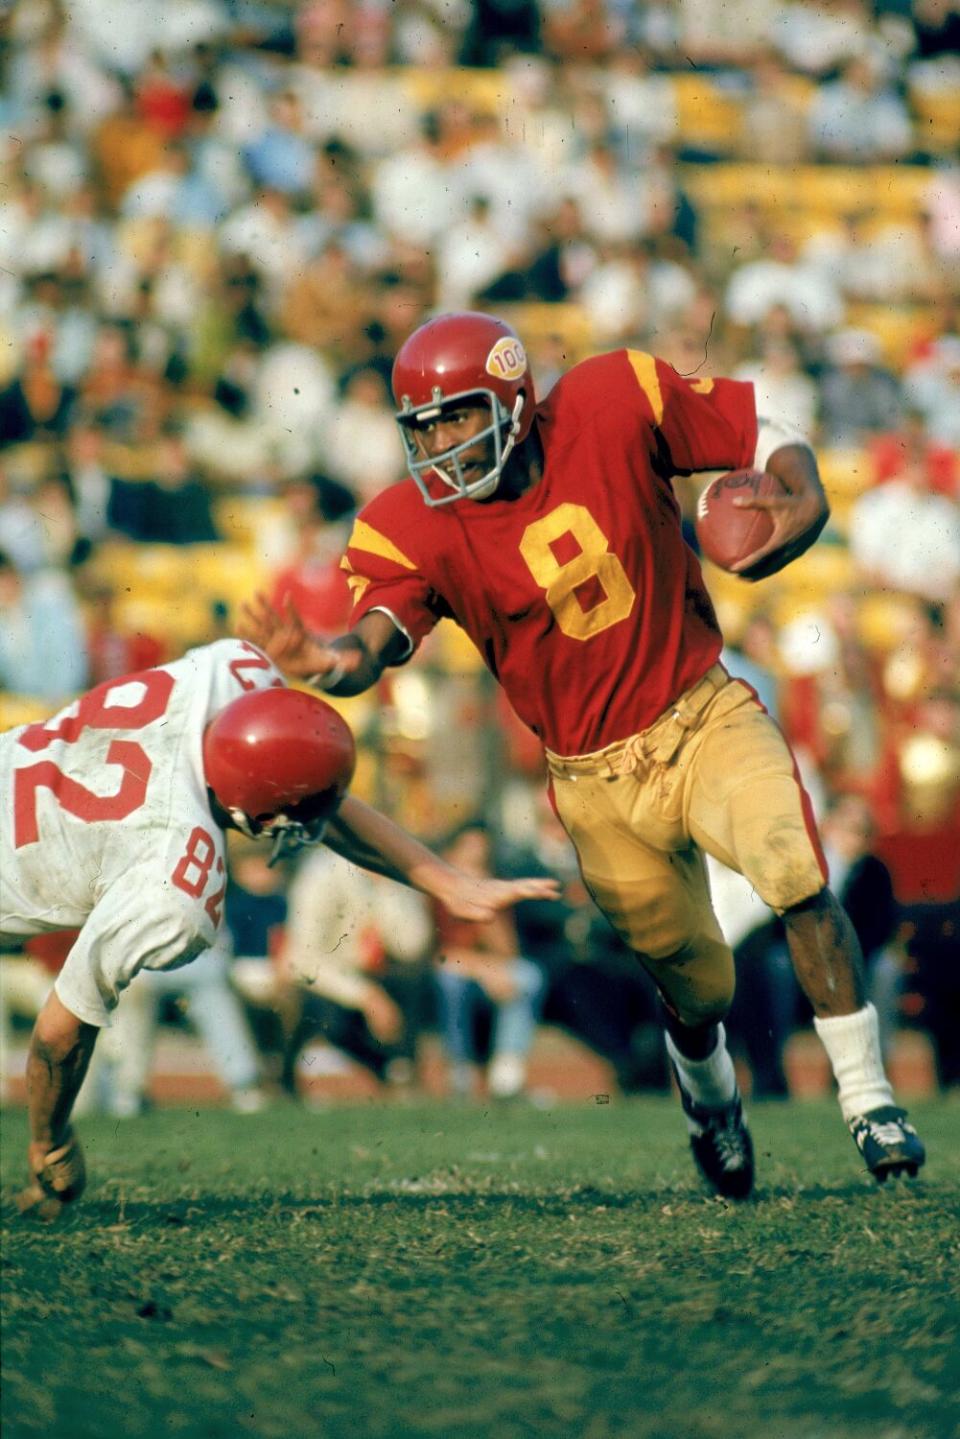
219, 221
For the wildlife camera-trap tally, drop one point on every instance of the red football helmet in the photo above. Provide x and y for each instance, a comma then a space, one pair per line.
454, 358
279, 762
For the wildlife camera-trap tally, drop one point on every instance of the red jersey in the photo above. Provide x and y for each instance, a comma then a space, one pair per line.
581, 594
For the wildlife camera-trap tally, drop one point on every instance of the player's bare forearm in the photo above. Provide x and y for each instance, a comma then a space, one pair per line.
798, 516
366, 837
60, 1051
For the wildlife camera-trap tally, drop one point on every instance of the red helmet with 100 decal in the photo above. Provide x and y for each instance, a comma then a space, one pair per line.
462, 357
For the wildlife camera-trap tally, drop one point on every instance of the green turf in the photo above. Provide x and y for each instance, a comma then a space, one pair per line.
384, 1273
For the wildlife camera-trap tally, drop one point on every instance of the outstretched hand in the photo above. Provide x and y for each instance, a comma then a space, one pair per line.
283, 636
467, 896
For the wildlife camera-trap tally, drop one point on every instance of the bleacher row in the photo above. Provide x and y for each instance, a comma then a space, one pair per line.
710, 110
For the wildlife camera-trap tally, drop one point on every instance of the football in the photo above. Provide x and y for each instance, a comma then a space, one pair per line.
726, 532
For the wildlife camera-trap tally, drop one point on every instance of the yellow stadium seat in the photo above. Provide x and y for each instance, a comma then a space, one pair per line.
821, 572
727, 185
708, 116
537, 322
484, 91
225, 571
834, 189
845, 189
23, 709
884, 619
938, 119
180, 621
845, 472
132, 568
240, 517
899, 328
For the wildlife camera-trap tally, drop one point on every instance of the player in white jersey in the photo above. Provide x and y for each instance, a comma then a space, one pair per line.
112, 819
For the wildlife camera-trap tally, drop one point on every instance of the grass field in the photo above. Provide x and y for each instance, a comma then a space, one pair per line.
385, 1273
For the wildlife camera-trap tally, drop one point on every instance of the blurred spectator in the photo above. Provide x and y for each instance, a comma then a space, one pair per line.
42, 646
36, 406
905, 536
932, 997
782, 387
171, 508
753, 659
24, 985
255, 912
859, 396
112, 648
774, 114
595, 989
118, 1082
161, 99
363, 448
311, 576
471, 255
282, 158
767, 998
858, 118
936, 26
862, 883
831, 707
482, 979
411, 191
116, 395
932, 385
327, 300
633, 292
38, 523
266, 233
780, 278
582, 32
499, 27
358, 943
640, 103
818, 41
876, 260
912, 445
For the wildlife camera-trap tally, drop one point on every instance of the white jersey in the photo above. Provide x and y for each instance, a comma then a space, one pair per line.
106, 827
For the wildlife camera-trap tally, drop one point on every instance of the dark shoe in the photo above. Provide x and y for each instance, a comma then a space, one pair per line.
721, 1146
888, 1142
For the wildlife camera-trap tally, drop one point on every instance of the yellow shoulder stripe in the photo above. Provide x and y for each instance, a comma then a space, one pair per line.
357, 584
365, 537
645, 369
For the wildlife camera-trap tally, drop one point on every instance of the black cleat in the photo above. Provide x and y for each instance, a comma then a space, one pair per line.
888, 1142
721, 1146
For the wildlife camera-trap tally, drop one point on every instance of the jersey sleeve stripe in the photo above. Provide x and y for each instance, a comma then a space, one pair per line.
357, 584
366, 538
645, 369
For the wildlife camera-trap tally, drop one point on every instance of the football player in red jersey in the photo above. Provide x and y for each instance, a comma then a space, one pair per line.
210, 742
551, 534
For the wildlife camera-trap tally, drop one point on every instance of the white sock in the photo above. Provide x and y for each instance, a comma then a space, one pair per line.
711, 1081
852, 1042
506, 1075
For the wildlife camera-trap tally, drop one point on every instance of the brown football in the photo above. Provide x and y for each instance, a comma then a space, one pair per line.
726, 532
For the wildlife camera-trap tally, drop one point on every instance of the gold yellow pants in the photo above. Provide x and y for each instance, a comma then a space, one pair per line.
713, 774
